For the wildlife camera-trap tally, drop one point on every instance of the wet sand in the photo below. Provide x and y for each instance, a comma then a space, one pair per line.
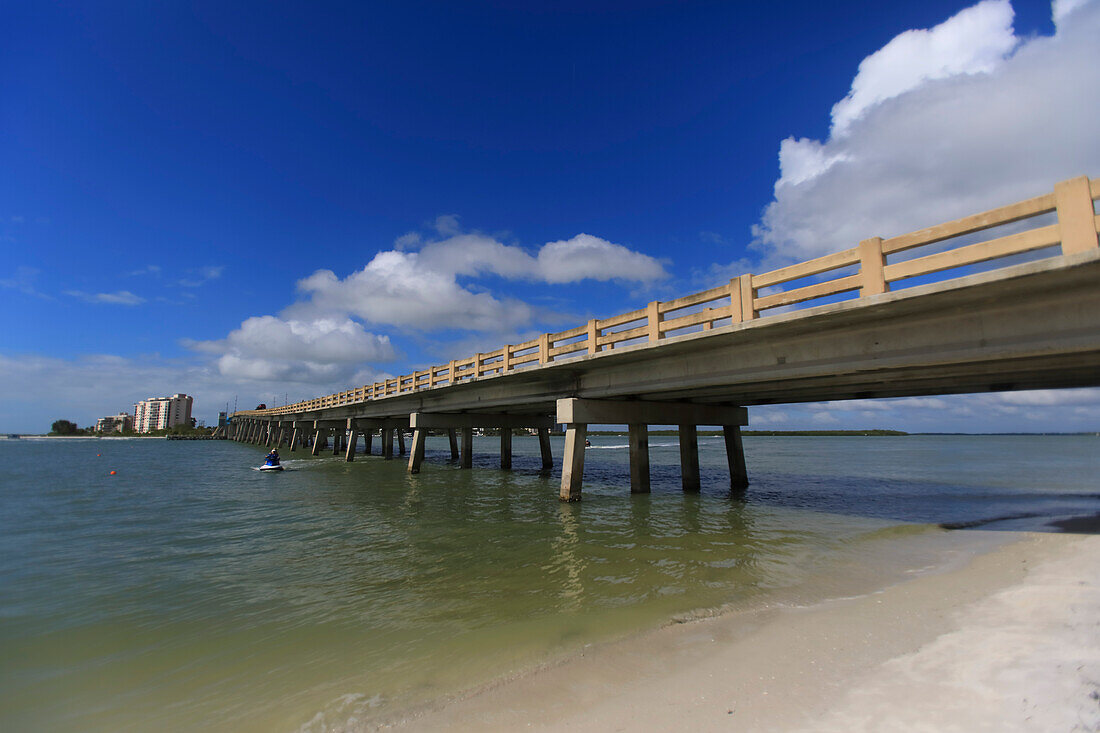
1008, 641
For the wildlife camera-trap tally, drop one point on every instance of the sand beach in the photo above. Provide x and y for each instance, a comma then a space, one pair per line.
1008, 641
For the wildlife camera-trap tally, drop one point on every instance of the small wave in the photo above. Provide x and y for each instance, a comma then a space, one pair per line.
989, 520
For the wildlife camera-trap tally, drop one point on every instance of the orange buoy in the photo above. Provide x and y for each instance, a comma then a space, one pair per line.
112, 473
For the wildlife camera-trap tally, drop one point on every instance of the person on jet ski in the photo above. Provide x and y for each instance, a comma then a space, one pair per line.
273, 457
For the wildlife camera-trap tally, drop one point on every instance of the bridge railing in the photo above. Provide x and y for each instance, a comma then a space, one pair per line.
863, 271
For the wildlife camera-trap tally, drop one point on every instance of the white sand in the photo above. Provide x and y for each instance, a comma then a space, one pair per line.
1009, 642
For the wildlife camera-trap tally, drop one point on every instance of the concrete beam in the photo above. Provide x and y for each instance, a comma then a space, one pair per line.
441, 421
467, 447
689, 459
604, 412
572, 467
353, 441
319, 424
377, 423
544, 449
735, 455
417, 456
452, 438
639, 459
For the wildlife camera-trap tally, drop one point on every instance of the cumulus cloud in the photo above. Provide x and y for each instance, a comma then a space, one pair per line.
121, 297
267, 348
424, 289
941, 123
395, 289
974, 41
585, 257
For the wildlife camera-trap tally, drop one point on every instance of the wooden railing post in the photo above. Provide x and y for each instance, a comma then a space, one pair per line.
653, 320
544, 349
451, 379
747, 294
871, 262
506, 359
1076, 222
593, 337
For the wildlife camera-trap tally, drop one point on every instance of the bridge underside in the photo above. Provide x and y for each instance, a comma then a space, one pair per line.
1031, 326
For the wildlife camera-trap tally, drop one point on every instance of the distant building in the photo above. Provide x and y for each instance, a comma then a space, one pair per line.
160, 413
120, 423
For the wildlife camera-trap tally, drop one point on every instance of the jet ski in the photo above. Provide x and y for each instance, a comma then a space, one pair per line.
272, 462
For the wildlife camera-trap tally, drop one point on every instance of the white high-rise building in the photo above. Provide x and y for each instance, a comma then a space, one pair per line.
159, 413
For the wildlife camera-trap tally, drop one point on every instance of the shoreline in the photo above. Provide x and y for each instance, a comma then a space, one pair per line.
963, 647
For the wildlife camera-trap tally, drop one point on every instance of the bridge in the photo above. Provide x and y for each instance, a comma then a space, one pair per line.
1006, 299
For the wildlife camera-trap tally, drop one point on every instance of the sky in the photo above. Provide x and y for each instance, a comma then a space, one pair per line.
257, 202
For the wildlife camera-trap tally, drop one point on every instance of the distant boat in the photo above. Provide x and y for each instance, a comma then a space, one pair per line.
13, 436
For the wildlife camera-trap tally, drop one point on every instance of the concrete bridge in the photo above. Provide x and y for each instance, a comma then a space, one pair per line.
947, 309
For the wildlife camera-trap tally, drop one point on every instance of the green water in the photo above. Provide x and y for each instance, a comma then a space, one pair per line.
191, 592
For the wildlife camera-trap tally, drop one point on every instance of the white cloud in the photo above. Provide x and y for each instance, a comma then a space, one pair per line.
585, 257
120, 297
940, 124
323, 350
395, 289
1062, 8
421, 290
973, 41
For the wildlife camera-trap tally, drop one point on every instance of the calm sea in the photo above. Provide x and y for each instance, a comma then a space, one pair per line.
191, 592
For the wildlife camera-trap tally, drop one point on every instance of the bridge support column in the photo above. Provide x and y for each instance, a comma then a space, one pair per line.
294, 439
353, 441
689, 459
368, 440
735, 455
387, 443
572, 465
338, 438
506, 448
400, 441
467, 447
452, 437
544, 449
318, 441
639, 458
416, 457
578, 414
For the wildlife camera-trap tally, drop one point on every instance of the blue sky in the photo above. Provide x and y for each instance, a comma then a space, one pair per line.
248, 201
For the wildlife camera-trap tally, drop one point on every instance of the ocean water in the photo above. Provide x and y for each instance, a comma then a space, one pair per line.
190, 592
